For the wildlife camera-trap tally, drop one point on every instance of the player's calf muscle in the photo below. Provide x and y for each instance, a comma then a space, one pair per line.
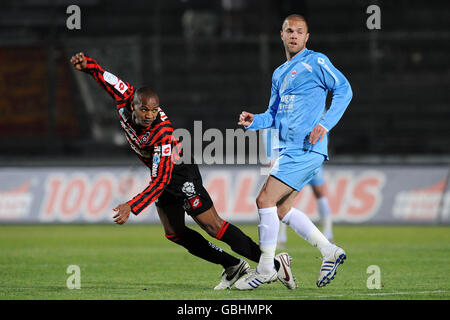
209, 222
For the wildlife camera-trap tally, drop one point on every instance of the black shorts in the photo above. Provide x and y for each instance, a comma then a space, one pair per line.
186, 190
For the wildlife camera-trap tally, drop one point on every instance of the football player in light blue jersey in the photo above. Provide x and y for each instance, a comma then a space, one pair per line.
297, 111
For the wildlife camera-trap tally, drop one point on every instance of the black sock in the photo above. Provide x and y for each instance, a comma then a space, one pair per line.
202, 248
240, 243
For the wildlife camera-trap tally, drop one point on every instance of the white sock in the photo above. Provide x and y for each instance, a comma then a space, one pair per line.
304, 227
268, 232
282, 233
325, 217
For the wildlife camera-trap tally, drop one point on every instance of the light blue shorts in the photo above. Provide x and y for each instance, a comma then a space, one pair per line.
318, 179
296, 167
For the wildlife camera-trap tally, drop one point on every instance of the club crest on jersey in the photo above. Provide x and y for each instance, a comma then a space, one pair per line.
293, 73
188, 189
145, 137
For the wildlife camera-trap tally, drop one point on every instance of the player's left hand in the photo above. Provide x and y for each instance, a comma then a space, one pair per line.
123, 213
317, 134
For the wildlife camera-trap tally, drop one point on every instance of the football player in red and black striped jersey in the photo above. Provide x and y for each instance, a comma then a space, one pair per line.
176, 187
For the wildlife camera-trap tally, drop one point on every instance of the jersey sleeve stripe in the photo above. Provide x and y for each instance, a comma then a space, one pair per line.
97, 72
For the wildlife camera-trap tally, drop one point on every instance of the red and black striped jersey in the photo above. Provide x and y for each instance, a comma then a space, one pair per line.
154, 145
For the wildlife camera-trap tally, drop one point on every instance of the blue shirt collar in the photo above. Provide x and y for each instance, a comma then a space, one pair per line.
299, 55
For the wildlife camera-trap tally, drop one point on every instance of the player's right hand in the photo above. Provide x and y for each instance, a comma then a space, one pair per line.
123, 213
246, 118
79, 61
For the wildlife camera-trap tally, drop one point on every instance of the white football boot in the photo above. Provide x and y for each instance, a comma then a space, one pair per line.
254, 279
330, 263
284, 274
231, 274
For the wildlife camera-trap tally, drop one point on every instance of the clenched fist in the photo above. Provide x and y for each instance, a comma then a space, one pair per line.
246, 118
79, 61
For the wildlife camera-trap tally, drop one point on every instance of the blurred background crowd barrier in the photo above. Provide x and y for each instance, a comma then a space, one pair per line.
357, 194
211, 59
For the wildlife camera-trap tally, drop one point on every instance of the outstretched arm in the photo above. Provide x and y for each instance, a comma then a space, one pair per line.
161, 174
118, 89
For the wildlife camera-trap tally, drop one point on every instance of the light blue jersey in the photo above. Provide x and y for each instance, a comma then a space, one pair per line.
298, 98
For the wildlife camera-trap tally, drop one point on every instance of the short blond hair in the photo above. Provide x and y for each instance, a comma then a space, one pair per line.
297, 17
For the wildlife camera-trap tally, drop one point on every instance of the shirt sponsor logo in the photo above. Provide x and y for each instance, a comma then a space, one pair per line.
322, 62
166, 150
110, 78
156, 161
121, 87
195, 202
162, 115
118, 84
286, 104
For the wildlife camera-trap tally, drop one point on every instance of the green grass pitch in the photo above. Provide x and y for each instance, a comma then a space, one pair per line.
137, 262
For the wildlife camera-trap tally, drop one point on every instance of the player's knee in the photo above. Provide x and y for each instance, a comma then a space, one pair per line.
264, 201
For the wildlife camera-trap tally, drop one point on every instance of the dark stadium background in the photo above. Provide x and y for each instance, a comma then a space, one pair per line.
209, 63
